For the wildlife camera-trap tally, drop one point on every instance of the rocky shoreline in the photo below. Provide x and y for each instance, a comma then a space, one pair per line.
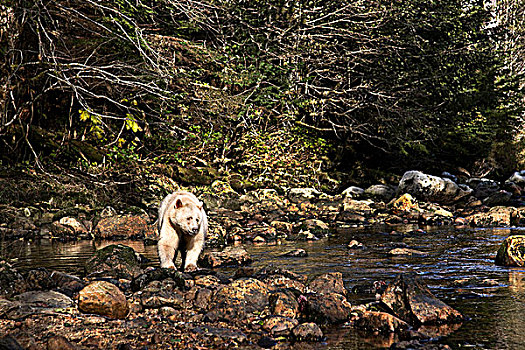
120, 304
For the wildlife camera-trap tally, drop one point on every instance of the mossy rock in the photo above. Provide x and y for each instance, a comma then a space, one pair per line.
512, 251
116, 261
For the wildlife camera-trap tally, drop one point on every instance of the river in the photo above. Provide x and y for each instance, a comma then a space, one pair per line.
458, 267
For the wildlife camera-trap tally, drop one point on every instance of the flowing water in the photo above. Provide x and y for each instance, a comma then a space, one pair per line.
458, 267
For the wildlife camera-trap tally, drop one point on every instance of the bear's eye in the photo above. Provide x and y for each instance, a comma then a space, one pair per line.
190, 218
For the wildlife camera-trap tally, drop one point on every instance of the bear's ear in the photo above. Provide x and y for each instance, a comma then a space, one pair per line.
178, 203
199, 205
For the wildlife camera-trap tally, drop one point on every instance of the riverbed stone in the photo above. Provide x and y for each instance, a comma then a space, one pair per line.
103, 298
230, 256
496, 216
353, 192
157, 274
279, 282
483, 187
406, 252
116, 261
410, 300
308, 331
432, 188
511, 251
404, 204
331, 308
295, 253
500, 197
236, 301
11, 281
279, 326
45, 299
59, 342
331, 282
378, 321
380, 192
297, 195
284, 303
315, 226
123, 226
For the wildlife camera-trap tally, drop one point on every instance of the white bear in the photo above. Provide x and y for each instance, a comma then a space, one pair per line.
182, 227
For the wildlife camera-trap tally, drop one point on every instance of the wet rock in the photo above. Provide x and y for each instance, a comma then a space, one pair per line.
281, 282
284, 303
157, 274
432, 188
230, 256
155, 298
208, 281
123, 226
353, 192
403, 204
377, 321
103, 298
380, 192
500, 197
59, 342
314, 225
406, 252
410, 300
361, 207
221, 333
76, 226
482, 187
296, 253
279, 326
512, 251
237, 300
67, 284
307, 332
39, 279
416, 344
11, 281
326, 308
355, 245
116, 261
331, 282
271, 270
517, 178
305, 236
6, 306
203, 298
9, 343
496, 216
45, 299
267, 342
297, 195
282, 226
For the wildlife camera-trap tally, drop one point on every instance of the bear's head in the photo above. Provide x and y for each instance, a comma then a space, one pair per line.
186, 216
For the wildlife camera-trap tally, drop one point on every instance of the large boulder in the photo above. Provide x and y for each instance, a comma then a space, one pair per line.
236, 301
103, 298
380, 192
123, 226
284, 303
496, 216
115, 261
512, 251
432, 188
378, 321
331, 282
328, 308
298, 195
410, 300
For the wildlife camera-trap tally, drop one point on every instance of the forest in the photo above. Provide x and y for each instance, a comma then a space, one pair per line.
260, 93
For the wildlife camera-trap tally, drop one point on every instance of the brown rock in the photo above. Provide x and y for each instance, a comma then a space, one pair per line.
202, 298
307, 332
375, 321
496, 216
403, 204
326, 308
123, 226
512, 251
284, 303
59, 342
413, 302
234, 302
115, 260
103, 298
231, 256
331, 282
406, 251
279, 325
279, 282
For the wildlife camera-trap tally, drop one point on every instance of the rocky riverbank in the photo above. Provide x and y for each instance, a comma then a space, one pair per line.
120, 305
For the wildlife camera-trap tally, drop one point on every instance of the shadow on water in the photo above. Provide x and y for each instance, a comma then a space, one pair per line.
458, 267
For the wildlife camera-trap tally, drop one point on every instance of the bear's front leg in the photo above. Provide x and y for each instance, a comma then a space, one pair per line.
167, 251
193, 251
